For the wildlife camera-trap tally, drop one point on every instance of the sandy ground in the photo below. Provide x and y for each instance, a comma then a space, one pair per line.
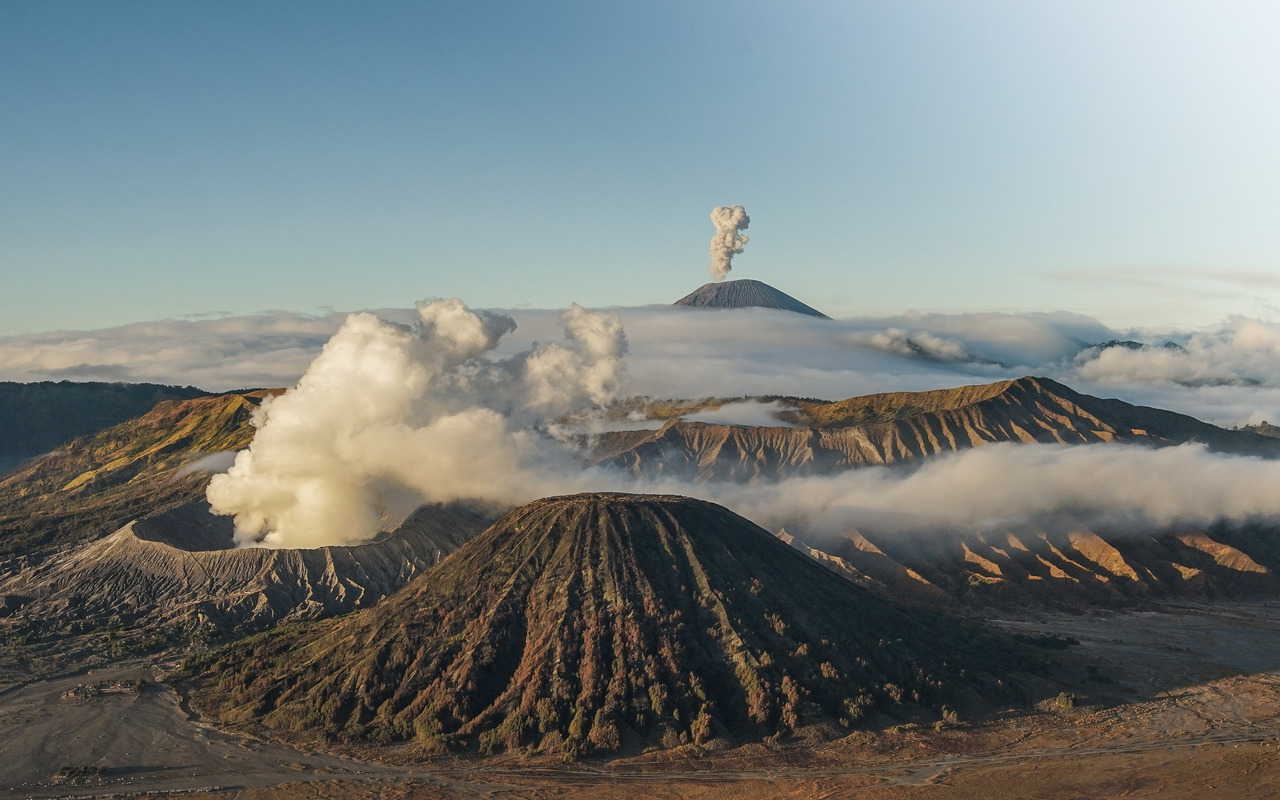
1180, 703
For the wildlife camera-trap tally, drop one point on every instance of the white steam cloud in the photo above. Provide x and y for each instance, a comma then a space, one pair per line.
728, 240
389, 416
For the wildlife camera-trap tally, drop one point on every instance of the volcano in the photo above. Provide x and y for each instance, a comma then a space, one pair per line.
179, 574
745, 294
594, 623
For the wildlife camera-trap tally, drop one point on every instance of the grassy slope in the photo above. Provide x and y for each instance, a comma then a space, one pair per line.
41, 416
101, 481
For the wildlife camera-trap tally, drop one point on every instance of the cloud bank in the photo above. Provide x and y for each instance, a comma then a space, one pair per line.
1229, 375
1010, 486
457, 405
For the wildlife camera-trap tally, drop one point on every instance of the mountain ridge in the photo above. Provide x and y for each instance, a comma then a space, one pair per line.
889, 428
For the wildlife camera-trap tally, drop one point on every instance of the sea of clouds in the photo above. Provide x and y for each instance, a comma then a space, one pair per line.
400, 406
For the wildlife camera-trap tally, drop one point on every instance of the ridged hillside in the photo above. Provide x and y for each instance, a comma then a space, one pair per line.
180, 573
1063, 565
745, 294
891, 428
592, 623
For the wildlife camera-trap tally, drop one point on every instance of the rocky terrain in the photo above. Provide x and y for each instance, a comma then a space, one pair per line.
745, 294
178, 576
662, 634
599, 623
1065, 564
887, 429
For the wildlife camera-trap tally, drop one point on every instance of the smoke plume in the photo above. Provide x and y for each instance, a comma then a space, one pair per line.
728, 240
389, 416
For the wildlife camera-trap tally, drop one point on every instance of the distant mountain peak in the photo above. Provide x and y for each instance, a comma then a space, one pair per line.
745, 294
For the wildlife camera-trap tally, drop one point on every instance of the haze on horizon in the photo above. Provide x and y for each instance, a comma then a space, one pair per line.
187, 162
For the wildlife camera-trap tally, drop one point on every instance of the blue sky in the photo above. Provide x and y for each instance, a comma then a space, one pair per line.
165, 159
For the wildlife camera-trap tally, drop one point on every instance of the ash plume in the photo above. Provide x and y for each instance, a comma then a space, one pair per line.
391, 416
728, 240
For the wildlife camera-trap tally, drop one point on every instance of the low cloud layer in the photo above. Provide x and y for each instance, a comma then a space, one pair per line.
260, 350
1228, 376
460, 404
1012, 486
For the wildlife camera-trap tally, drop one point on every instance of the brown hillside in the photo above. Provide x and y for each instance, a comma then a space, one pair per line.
891, 428
1064, 563
589, 623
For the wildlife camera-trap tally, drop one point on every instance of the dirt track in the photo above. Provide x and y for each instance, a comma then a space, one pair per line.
1180, 703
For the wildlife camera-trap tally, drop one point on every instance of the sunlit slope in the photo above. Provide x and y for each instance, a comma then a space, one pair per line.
39, 417
1060, 562
97, 483
897, 427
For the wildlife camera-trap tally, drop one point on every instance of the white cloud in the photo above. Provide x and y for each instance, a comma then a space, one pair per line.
1228, 376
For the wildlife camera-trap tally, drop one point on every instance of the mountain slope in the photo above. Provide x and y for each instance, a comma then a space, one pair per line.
581, 624
1062, 563
41, 416
179, 574
97, 483
896, 427
745, 294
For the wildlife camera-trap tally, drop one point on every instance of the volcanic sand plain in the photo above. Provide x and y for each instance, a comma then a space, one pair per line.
1179, 701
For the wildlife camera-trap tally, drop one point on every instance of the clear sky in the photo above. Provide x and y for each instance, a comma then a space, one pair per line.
158, 159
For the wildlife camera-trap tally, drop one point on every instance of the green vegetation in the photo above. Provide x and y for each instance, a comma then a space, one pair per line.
97, 483
1263, 428
81, 771
41, 416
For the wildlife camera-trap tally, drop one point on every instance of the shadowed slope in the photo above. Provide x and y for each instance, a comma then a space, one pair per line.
890, 428
43, 415
97, 483
745, 294
577, 624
